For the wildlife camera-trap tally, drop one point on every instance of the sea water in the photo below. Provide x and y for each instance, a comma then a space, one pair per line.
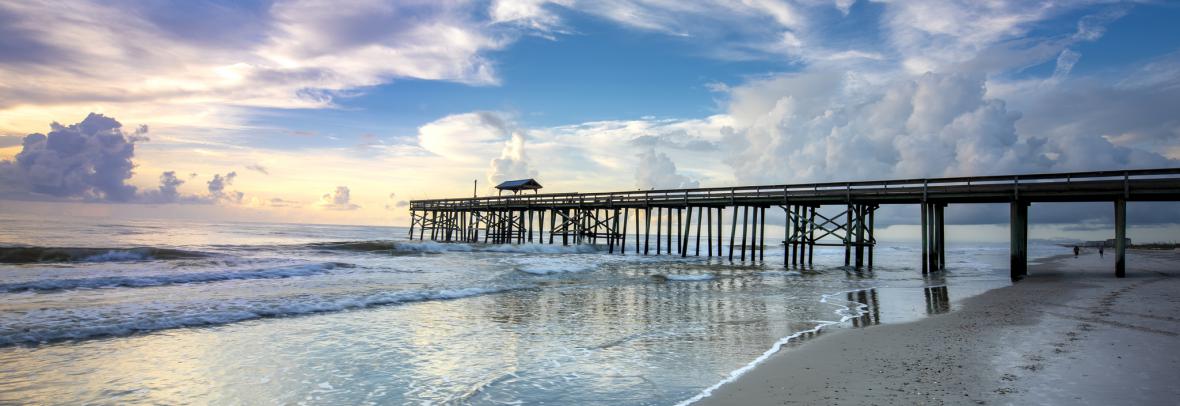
177, 312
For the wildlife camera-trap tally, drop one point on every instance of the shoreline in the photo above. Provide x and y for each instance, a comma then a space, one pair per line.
1069, 332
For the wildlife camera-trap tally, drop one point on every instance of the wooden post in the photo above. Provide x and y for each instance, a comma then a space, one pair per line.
552, 224
623, 235
670, 218
796, 234
762, 237
647, 231
679, 230
659, 223
565, 227
861, 212
413, 219
720, 232
941, 236
709, 229
787, 235
700, 214
925, 238
434, 226
489, 227
848, 234
745, 227
637, 231
811, 237
684, 235
732, 232
610, 236
872, 237
933, 236
1120, 238
1018, 228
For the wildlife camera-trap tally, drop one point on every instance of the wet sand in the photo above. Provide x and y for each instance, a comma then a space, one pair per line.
1070, 333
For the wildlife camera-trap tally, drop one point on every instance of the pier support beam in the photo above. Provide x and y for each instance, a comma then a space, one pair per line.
872, 237
762, 237
732, 233
1120, 238
860, 235
684, 234
941, 229
1019, 239
709, 229
926, 238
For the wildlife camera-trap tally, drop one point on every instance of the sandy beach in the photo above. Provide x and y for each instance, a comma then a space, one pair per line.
1070, 333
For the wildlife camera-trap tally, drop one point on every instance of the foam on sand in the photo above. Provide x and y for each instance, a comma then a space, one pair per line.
845, 312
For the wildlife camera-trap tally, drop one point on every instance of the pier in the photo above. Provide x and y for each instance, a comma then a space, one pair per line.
698, 215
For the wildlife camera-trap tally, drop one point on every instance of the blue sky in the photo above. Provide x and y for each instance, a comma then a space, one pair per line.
329, 112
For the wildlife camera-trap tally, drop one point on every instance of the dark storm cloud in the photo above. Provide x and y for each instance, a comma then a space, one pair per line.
89, 160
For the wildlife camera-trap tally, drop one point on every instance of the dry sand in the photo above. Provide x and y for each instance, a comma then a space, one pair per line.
1070, 333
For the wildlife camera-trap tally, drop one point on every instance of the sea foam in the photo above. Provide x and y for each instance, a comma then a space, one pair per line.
51, 325
50, 285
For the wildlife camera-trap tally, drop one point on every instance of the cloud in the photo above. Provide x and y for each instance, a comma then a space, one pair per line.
337, 200
90, 160
258, 168
168, 191
656, 171
512, 163
467, 136
173, 62
217, 188
280, 202
10, 140
393, 204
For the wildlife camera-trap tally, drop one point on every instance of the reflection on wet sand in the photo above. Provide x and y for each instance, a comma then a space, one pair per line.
872, 309
938, 300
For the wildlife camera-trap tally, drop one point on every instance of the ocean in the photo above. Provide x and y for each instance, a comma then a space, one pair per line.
184, 312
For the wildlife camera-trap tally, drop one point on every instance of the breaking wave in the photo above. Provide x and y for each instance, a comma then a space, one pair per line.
53, 285
30, 254
78, 324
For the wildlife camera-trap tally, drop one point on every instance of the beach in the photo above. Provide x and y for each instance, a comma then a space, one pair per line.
1069, 333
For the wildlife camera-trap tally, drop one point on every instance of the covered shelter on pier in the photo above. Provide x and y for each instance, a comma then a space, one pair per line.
519, 185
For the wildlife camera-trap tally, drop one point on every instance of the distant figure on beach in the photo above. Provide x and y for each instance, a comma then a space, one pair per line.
1100, 251
1076, 251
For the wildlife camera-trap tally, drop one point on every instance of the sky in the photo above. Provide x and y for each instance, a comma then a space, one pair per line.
341, 112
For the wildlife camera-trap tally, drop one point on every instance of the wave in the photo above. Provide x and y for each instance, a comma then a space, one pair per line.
101, 323
686, 278
413, 247
364, 246
31, 254
438, 247
53, 285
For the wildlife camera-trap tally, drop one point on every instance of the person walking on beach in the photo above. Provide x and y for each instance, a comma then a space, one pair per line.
1100, 251
1076, 251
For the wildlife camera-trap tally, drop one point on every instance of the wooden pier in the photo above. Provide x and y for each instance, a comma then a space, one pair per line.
603, 218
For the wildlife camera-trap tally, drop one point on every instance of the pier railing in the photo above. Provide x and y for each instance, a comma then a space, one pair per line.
1142, 184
